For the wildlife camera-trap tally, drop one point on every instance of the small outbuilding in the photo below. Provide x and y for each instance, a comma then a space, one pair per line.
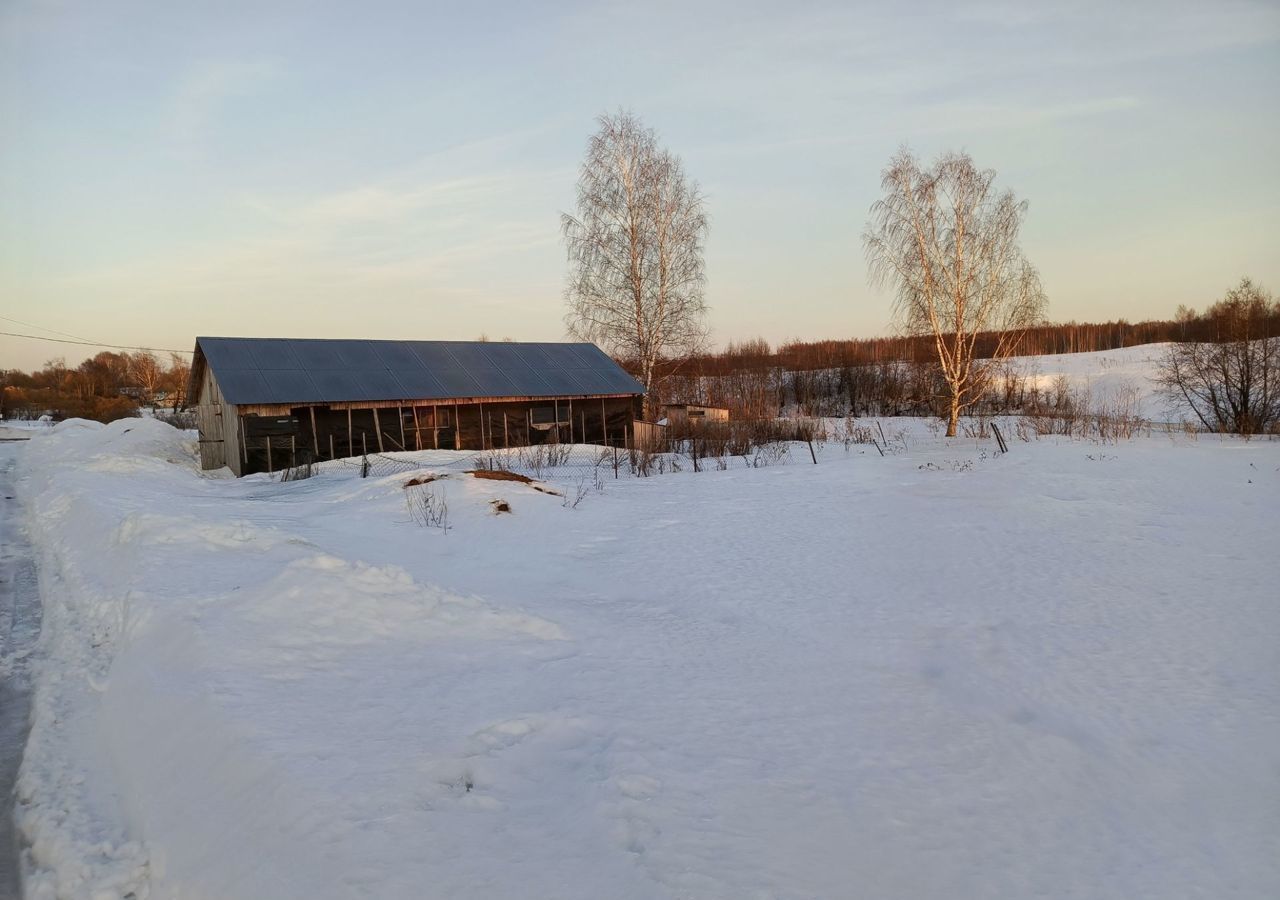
264, 404
693, 413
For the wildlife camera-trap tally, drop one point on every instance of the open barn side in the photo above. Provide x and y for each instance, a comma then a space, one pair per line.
275, 437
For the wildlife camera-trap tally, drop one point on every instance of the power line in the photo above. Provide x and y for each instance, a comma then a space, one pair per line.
78, 337
37, 337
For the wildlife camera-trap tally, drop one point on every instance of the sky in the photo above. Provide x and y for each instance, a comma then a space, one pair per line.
398, 169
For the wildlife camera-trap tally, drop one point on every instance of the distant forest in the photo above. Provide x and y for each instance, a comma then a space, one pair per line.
1071, 337
105, 387
750, 377
893, 376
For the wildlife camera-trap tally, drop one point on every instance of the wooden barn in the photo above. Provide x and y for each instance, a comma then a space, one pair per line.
264, 404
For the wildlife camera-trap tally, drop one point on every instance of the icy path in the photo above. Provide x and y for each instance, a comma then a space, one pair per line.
19, 628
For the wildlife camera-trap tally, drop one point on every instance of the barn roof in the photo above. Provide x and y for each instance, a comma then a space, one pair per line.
306, 370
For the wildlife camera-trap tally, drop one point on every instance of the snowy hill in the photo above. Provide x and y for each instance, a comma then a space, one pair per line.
937, 673
1106, 376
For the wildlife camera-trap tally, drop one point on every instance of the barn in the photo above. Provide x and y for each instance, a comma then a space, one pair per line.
265, 404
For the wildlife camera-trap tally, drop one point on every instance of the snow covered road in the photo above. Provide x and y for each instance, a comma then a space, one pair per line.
19, 627
934, 674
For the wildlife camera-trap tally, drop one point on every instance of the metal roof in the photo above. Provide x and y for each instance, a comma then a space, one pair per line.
308, 370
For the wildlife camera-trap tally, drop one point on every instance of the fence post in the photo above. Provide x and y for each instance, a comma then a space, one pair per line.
999, 438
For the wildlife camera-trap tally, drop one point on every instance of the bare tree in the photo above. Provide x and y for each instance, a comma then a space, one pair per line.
146, 374
1232, 382
175, 380
947, 242
635, 250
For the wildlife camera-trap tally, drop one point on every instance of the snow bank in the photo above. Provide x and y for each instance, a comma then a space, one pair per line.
931, 674
171, 642
67, 810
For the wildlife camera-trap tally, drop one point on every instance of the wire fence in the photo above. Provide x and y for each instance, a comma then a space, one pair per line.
701, 449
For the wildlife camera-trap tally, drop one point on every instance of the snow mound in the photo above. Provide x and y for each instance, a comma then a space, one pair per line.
152, 686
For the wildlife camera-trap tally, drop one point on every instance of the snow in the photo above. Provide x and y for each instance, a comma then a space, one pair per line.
1106, 377
936, 673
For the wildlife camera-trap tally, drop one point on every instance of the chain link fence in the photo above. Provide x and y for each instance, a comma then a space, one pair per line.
746, 444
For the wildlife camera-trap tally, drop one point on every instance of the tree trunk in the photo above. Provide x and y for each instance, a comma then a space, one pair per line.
954, 420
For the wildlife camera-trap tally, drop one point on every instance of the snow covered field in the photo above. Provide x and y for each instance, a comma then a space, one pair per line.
1106, 377
940, 673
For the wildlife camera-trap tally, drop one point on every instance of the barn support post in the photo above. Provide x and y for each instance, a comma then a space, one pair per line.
315, 435
351, 438
417, 430
293, 452
482, 441
332, 455
457, 429
435, 426
584, 428
604, 423
364, 445
400, 414
244, 445
570, 414
269, 455
377, 426
506, 435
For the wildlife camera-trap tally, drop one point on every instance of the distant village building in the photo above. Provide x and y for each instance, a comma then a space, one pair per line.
268, 403
692, 413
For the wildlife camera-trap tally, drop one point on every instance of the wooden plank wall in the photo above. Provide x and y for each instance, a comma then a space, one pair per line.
211, 419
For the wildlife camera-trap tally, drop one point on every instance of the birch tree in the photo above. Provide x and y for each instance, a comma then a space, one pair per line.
635, 250
946, 241
146, 374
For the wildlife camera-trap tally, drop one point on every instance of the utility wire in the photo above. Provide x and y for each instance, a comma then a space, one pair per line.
37, 337
78, 337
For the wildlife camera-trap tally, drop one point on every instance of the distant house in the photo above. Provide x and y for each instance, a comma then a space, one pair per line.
267, 403
693, 413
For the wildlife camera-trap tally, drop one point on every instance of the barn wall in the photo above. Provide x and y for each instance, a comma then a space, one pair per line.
323, 432
217, 424
235, 458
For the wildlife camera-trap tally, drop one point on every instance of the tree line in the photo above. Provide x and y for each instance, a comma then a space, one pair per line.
1223, 364
1042, 340
104, 387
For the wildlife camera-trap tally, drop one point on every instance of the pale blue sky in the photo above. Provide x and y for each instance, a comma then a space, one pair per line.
397, 169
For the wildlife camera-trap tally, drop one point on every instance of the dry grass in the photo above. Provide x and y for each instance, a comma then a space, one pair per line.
500, 475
